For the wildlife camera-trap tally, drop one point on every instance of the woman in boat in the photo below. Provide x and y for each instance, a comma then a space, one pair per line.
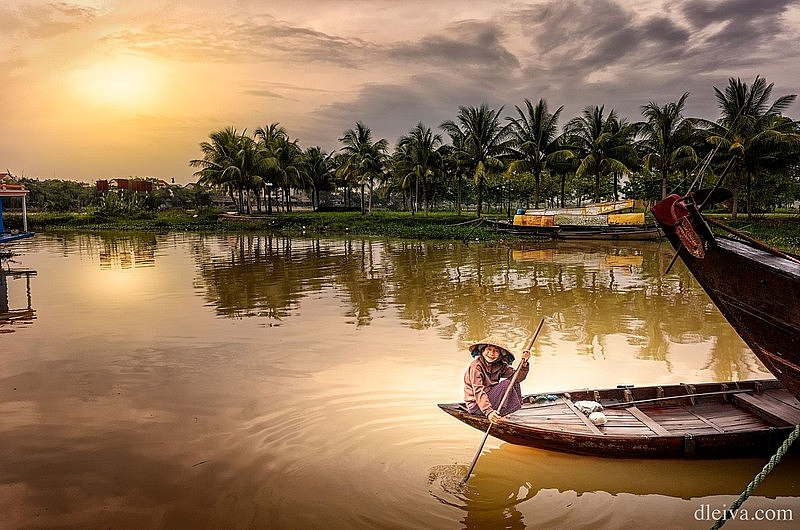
489, 375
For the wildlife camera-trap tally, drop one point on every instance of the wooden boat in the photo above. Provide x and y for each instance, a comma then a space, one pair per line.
756, 288
607, 220
707, 420
577, 232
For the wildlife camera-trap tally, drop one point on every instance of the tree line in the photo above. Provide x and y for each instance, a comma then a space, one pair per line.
526, 156
486, 160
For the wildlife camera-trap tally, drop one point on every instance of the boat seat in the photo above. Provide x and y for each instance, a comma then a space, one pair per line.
583, 417
771, 409
651, 424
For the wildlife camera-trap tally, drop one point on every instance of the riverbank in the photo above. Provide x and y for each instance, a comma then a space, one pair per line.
439, 225
778, 230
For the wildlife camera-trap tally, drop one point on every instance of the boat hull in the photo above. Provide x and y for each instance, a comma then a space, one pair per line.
718, 420
612, 233
755, 290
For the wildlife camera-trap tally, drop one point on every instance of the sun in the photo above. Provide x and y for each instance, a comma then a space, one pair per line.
125, 83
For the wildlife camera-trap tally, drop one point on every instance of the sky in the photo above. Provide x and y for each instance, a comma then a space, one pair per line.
104, 89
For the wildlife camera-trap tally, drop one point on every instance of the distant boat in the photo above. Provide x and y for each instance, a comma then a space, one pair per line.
756, 288
605, 220
14, 190
706, 420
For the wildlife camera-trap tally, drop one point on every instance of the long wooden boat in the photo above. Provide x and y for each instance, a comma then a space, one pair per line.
706, 420
580, 232
756, 288
606, 220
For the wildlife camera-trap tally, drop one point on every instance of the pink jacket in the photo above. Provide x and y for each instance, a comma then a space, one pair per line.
481, 376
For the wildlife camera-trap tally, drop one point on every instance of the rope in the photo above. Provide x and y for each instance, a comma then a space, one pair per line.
754, 242
759, 477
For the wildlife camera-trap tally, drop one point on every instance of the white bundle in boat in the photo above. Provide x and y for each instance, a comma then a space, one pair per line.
593, 409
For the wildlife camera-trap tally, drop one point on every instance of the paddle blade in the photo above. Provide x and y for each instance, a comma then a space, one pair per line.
711, 196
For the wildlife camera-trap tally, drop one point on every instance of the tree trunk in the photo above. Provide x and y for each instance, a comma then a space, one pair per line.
425, 196
749, 195
458, 195
597, 187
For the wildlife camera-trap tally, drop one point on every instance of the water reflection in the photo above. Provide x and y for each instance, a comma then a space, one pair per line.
12, 314
595, 297
510, 479
301, 377
128, 252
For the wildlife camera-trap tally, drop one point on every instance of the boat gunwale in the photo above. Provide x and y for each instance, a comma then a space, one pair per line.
653, 444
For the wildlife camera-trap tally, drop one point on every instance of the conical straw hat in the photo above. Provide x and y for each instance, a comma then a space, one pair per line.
477, 347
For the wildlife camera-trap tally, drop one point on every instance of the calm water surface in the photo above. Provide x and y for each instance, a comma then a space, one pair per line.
242, 381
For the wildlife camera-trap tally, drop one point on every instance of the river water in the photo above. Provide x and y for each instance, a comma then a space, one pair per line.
245, 381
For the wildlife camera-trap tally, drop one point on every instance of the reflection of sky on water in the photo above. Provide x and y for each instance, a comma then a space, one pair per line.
301, 378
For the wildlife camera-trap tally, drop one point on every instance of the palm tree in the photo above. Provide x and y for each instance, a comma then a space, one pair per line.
482, 141
667, 138
601, 142
453, 168
364, 160
231, 162
536, 140
420, 158
751, 130
317, 170
282, 159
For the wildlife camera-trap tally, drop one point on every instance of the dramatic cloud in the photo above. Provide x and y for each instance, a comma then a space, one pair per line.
158, 78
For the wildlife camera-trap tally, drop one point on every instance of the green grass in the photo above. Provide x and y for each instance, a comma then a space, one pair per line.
779, 230
438, 225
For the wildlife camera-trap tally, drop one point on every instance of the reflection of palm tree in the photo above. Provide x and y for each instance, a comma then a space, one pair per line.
470, 291
728, 360
364, 283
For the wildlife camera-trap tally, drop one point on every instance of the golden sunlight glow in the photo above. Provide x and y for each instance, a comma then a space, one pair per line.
126, 83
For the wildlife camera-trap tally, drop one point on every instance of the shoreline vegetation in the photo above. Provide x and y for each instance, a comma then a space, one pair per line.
779, 230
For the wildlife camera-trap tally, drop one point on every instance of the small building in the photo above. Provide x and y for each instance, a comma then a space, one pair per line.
8, 190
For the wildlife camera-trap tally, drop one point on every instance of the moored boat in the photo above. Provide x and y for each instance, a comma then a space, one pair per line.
608, 220
706, 420
756, 288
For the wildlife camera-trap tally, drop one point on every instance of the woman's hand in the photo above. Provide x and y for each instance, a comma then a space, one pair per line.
526, 355
494, 417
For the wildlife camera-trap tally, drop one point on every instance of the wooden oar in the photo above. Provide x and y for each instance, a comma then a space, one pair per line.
681, 396
502, 402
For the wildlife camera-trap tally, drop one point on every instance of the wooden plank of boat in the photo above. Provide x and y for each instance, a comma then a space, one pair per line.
581, 416
776, 410
716, 420
647, 420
